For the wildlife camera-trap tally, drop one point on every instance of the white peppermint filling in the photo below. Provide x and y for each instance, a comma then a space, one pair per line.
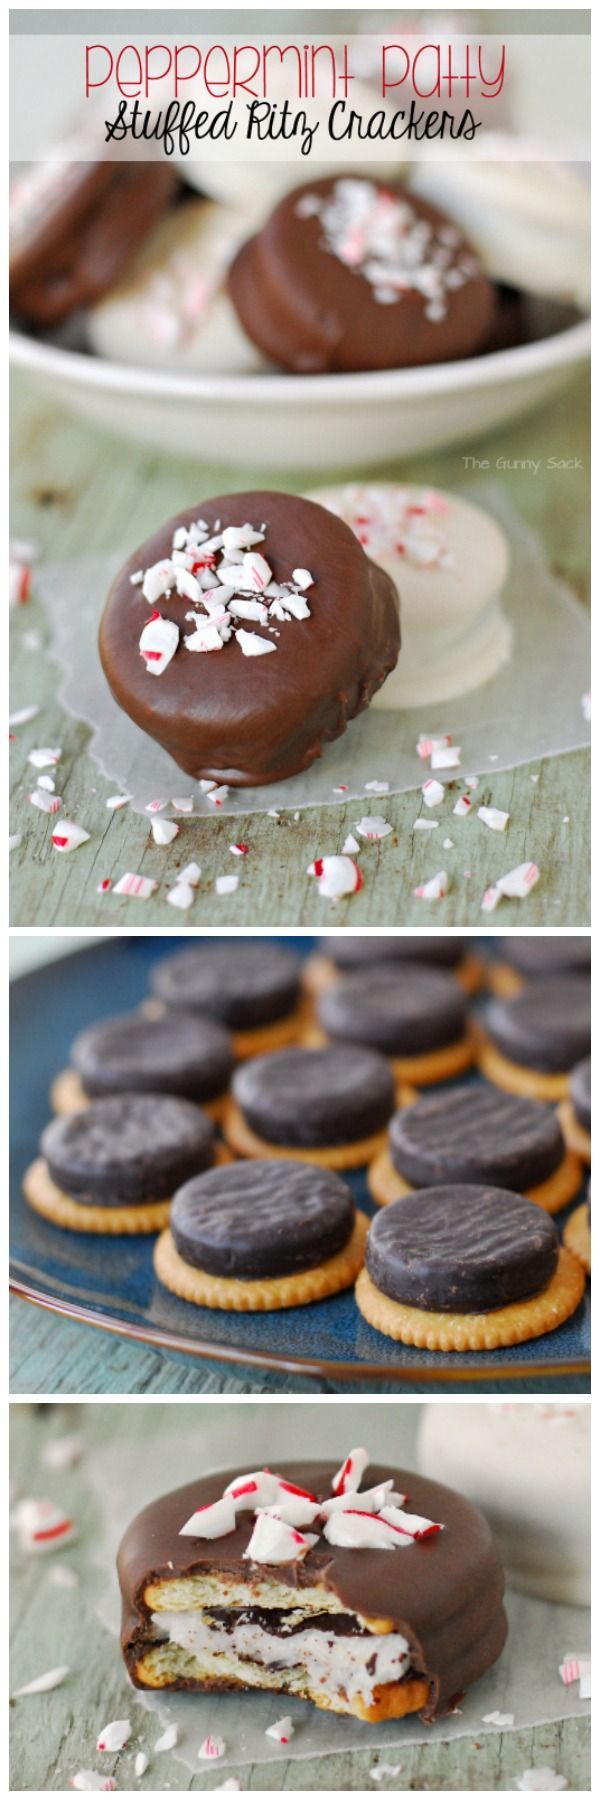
354, 1666
381, 236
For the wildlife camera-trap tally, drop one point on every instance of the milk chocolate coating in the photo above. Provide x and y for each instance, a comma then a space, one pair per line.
546, 1027
444, 1595
247, 720
581, 1093
120, 1152
540, 956
77, 247
476, 1133
305, 308
308, 1099
242, 984
461, 1249
259, 1219
403, 1011
176, 1054
356, 952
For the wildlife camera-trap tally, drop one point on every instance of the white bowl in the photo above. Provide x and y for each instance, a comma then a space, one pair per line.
311, 421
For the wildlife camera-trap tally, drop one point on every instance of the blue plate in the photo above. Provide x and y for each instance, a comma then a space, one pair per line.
111, 1283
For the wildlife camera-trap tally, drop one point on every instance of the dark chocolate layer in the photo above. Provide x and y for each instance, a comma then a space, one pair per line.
355, 952
242, 984
404, 1011
476, 1133
308, 1099
461, 1249
305, 308
581, 1092
176, 1054
444, 1595
77, 244
540, 956
248, 720
547, 1026
119, 1152
257, 1219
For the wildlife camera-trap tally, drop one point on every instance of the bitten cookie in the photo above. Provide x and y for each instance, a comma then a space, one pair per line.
246, 633
177, 1053
328, 1106
260, 1236
477, 1134
347, 274
74, 226
532, 1041
575, 1113
466, 1268
114, 1166
307, 1582
345, 954
416, 1016
250, 987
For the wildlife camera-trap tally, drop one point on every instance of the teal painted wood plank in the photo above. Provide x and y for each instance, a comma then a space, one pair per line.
75, 489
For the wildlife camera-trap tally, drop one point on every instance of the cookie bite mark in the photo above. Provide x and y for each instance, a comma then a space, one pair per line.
291, 627
347, 275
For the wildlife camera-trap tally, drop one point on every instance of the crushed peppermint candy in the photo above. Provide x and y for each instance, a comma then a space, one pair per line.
426, 745
540, 1781
491, 899
350, 1473
501, 1720
15, 839
69, 836
464, 806
156, 806
164, 830
491, 815
168, 1739
434, 889
44, 759
336, 876
23, 716
226, 884
211, 1748
137, 887
425, 824
115, 1735
280, 1509
191, 874
104, 886
47, 783
216, 794
88, 1782
115, 801
373, 827
228, 581
63, 1452
281, 1731
433, 792
184, 804
519, 882
215, 1520
48, 803
140, 1764
43, 1684
381, 236
377, 787
239, 849
472, 781
351, 846
447, 756
577, 1668
182, 895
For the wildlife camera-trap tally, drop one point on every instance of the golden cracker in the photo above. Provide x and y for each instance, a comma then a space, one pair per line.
67, 1095
436, 1065
504, 981
386, 1185
515, 1078
574, 1133
247, 1143
578, 1237
471, 973
513, 1324
264, 1038
273, 1294
71, 1215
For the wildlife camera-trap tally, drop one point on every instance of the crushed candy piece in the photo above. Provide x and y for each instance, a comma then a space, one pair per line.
373, 827
69, 836
281, 1731
336, 876
211, 1748
446, 756
434, 889
274, 1542
44, 759
48, 803
182, 895
140, 1764
350, 1473
115, 1735
43, 1683
24, 715
42, 1526
463, 806
63, 1452
138, 887
212, 1521
16, 838
433, 792
158, 643
491, 899
191, 874
239, 849
47, 783
87, 1781
519, 882
116, 800
226, 884
540, 1781
168, 1740
164, 830
156, 806
253, 645
425, 824
472, 782
501, 1720
490, 815
448, 843
104, 886
377, 787
351, 846
218, 794
184, 805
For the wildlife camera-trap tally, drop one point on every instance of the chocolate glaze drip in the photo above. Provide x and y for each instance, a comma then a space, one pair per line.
444, 1595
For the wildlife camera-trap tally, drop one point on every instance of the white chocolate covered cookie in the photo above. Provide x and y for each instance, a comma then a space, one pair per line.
172, 311
449, 562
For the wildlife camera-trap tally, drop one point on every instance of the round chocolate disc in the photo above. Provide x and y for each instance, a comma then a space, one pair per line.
74, 226
243, 984
405, 1011
540, 956
461, 1249
581, 1093
176, 1054
476, 1133
547, 1026
309, 1099
255, 1219
355, 952
120, 1152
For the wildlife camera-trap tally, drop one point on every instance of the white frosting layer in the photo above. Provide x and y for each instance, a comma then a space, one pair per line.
529, 221
528, 1467
356, 1665
449, 561
171, 310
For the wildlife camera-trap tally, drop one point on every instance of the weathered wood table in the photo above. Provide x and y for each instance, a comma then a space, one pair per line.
77, 491
53, 1735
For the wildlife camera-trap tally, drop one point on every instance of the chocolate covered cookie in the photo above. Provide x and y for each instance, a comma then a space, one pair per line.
246, 633
345, 954
417, 1016
259, 1236
74, 226
317, 1602
524, 959
176, 1053
115, 1165
327, 1105
575, 1113
347, 274
477, 1134
250, 987
533, 1040
466, 1267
